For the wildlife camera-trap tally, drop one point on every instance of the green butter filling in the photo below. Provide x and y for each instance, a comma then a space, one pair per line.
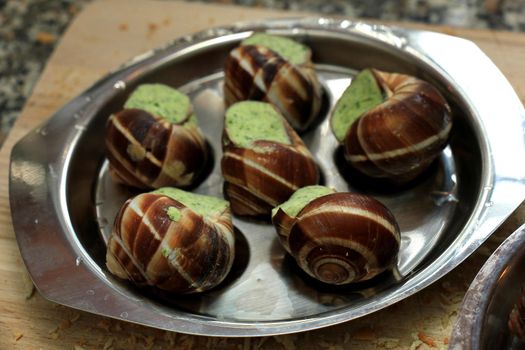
165, 251
173, 213
362, 95
201, 204
287, 48
301, 198
160, 100
250, 121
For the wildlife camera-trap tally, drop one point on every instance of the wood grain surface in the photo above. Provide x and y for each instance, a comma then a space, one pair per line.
108, 33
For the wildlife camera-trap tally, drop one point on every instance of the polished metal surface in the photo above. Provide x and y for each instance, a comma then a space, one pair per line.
59, 176
482, 319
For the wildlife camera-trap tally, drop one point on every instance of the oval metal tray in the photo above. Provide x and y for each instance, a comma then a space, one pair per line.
482, 321
63, 202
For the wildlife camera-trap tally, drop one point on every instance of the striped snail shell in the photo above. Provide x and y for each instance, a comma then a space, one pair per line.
155, 140
264, 160
516, 320
397, 124
177, 245
276, 70
337, 238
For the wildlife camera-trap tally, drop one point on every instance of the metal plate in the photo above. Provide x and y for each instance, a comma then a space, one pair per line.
59, 175
483, 317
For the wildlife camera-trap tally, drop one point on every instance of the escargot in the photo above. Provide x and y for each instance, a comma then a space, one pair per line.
392, 125
337, 237
174, 240
264, 161
276, 70
155, 140
516, 320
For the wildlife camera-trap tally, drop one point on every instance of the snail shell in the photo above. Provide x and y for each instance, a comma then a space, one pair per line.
255, 72
517, 316
259, 177
148, 151
399, 138
158, 241
340, 238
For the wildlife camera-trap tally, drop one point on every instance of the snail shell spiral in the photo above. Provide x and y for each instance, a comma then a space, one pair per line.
340, 238
159, 241
149, 151
264, 173
253, 71
401, 136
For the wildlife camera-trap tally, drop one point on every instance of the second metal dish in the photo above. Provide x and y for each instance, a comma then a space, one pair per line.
482, 322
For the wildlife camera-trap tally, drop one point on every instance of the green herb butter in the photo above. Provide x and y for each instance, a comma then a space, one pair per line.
201, 204
287, 48
250, 121
301, 198
165, 252
160, 100
173, 213
362, 95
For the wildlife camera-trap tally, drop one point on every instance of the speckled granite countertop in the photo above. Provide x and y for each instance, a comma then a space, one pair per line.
29, 30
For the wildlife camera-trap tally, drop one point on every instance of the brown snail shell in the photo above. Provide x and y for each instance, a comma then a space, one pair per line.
259, 178
254, 72
340, 238
516, 320
147, 151
401, 137
147, 247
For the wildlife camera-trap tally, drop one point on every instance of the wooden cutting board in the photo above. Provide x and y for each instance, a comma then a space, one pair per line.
108, 33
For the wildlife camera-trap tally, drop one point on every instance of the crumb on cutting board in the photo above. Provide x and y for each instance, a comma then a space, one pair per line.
415, 344
108, 344
388, 343
426, 339
75, 318
104, 325
364, 333
29, 287
53, 330
65, 324
152, 28
45, 38
287, 341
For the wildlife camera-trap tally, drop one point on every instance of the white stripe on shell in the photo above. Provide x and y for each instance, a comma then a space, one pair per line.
127, 165
144, 219
172, 259
356, 212
134, 142
402, 151
225, 232
174, 252
245, 64
263, 170
131, 257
